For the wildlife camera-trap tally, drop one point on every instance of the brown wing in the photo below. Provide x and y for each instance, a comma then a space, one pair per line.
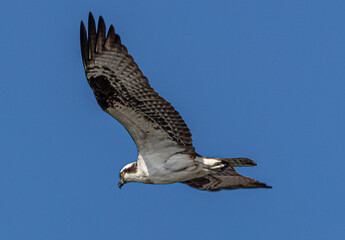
228, 179
124, 92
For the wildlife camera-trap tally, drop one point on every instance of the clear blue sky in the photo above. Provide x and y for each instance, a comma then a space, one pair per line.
259, 79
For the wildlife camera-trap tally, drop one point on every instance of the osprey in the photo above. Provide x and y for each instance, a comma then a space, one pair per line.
165, 148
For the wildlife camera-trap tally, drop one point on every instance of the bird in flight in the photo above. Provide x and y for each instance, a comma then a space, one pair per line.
165, 148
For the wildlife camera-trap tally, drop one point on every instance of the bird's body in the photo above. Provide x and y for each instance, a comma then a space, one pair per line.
165, 148
176, 168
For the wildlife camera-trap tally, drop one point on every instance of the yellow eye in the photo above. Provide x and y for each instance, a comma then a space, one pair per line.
121, 175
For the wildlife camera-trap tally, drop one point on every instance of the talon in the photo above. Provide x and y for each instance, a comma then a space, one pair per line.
226, 164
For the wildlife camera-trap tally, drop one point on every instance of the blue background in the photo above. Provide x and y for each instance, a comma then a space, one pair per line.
259, 79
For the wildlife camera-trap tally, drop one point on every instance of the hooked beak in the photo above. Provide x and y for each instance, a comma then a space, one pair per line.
121, 182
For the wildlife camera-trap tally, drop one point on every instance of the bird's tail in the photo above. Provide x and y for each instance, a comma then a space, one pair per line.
234, 162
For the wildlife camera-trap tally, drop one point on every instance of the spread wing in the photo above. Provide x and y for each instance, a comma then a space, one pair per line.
124, 92
228, 179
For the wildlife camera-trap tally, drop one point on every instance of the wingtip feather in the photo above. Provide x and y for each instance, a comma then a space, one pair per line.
110, 41
117, 39
101, 21
83, 43
90, 15
111, 31
92, 35
101, 31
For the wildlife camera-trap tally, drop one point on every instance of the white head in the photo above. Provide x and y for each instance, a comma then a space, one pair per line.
131, 173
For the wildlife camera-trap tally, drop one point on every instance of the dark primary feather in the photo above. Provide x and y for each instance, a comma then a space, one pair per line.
92, 36
83, 44
100, 35
122, 90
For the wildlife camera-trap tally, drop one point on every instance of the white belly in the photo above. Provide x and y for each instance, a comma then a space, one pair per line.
177, 168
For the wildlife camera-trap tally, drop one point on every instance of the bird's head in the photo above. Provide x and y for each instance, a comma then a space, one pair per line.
128, 174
